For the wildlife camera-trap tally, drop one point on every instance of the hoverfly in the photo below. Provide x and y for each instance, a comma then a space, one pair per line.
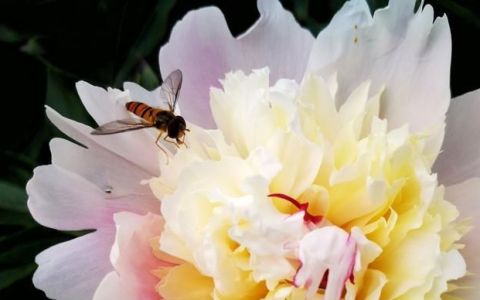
163, 119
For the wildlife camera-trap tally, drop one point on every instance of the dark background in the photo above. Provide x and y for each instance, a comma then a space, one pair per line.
48, 45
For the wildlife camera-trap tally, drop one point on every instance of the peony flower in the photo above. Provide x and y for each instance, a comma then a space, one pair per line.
335, 167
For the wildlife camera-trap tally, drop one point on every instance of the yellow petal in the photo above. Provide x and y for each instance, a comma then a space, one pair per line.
184, 282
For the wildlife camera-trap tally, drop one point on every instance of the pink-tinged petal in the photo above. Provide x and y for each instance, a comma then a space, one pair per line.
466, 196
408, 53
132, 253
326, 249
138, 147
133, 258
460, 156
64, 200
202, 46
341, 273
276, 29
73, 270
117, 177
83, 189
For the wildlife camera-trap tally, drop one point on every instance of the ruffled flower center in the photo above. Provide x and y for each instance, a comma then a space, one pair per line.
298, 191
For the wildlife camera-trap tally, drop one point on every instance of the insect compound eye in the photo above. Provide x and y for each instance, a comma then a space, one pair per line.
173, 129
181, 122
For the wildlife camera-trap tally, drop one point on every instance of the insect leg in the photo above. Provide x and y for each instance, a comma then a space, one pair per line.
158, 137
160, 147
172, 142
183, 142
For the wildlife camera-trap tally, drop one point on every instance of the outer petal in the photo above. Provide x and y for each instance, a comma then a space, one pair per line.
138, 93
128, 145
63, 200
71, 193
202, 46
73, 270
460, 156
82, 189
116, 177
103, 105
398, 48
276, 29
466, 196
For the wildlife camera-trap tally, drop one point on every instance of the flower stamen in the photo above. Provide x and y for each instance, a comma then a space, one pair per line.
307, 217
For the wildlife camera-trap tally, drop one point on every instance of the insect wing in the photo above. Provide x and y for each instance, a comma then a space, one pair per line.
170, 89
120, 126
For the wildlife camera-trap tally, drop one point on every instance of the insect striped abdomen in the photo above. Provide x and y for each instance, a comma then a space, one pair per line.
140, 109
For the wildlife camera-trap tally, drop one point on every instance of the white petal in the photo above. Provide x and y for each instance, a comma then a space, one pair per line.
241, 111
466, 196
276, 29
138, 93
73, 270
328, 248
460, 156
202, 46
138, 147
398, 48
117, 177
269, 236
102, 105
63, 200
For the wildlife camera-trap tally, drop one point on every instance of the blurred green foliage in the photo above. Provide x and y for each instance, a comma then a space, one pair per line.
48, 45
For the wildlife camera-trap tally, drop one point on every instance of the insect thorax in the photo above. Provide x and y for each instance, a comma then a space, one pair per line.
163, 118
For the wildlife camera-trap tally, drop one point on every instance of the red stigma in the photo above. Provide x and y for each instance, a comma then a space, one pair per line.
307, 217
